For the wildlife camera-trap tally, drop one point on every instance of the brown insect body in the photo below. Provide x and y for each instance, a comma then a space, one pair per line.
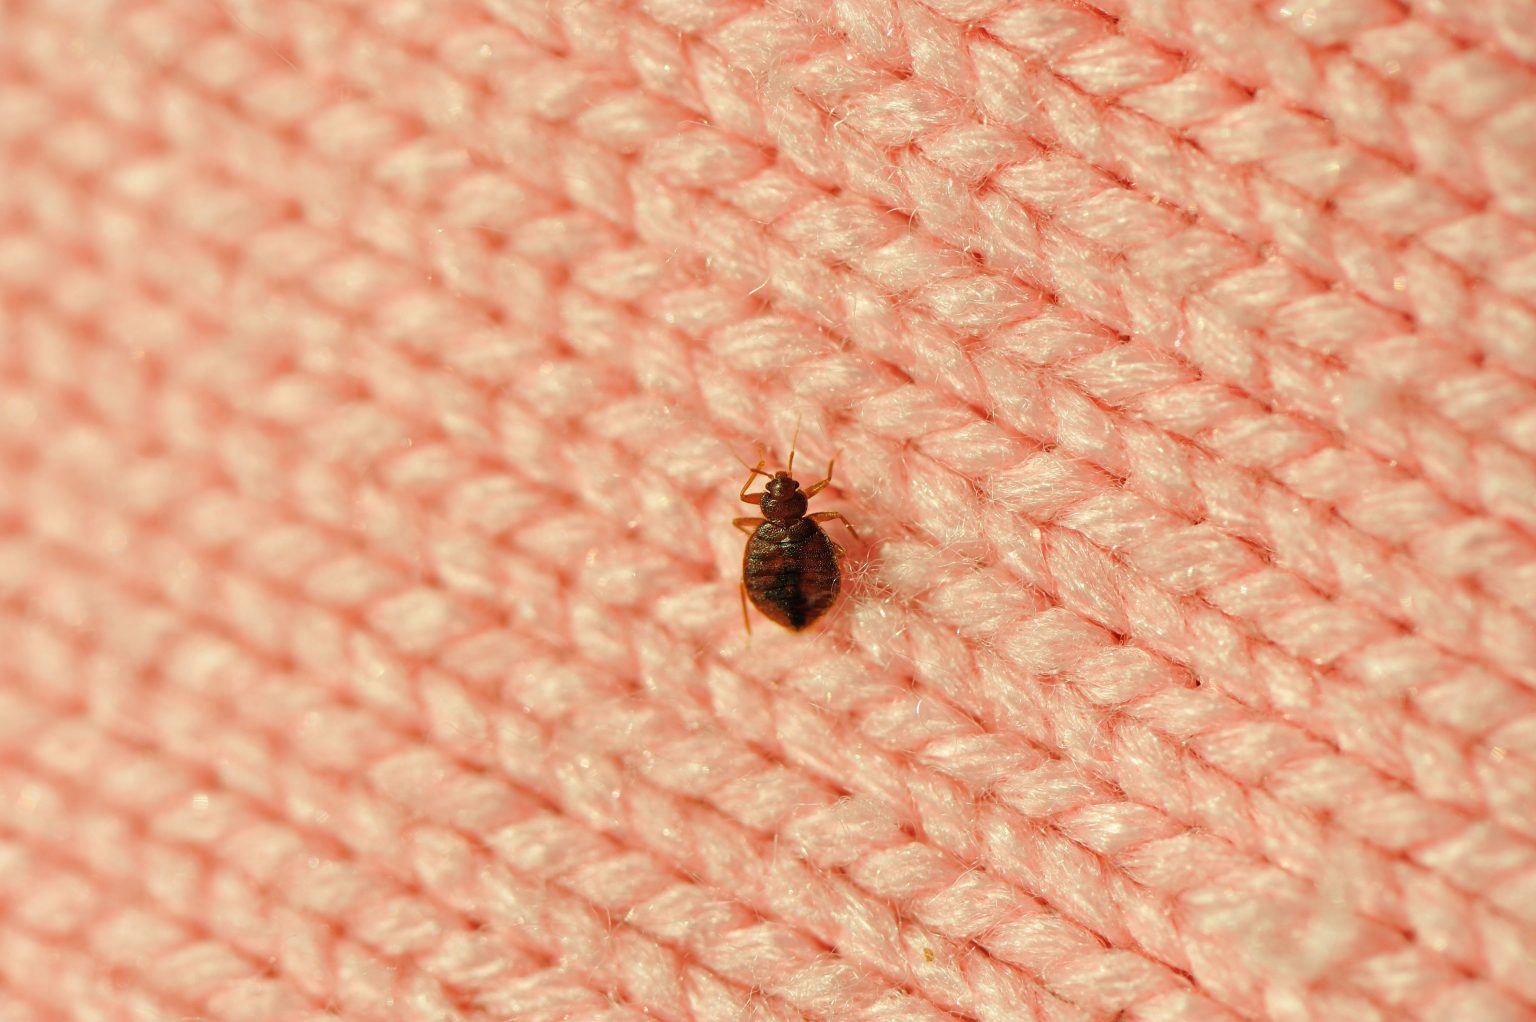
789, 569
791, 572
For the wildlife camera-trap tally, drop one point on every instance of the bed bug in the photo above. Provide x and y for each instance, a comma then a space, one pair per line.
789, 569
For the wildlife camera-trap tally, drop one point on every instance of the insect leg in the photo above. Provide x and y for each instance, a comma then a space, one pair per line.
816, 488
746, 622
827, 516
748, 525
752, 498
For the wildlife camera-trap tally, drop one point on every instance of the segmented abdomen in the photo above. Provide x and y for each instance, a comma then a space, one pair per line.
791, 573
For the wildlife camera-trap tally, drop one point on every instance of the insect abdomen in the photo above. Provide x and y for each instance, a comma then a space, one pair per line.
791, 572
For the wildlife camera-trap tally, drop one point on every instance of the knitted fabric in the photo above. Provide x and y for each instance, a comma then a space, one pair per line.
375, 382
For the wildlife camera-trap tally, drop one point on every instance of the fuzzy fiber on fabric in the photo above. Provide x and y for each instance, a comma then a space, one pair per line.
377, 379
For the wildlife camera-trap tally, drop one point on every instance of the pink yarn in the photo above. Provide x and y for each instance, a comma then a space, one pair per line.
373, 379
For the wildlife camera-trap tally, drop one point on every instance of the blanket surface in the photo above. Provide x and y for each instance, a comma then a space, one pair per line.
377, 383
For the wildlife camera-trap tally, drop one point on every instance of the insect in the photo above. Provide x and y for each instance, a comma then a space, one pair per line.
789, 568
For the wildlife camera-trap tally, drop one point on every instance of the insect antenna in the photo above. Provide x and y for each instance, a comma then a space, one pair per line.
793, 443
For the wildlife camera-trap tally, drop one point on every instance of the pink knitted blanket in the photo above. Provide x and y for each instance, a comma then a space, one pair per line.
376, 378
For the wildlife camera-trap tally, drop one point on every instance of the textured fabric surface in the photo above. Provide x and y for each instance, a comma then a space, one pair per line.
375, 382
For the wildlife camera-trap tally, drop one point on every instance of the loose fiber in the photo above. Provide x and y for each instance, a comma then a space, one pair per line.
374, 379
